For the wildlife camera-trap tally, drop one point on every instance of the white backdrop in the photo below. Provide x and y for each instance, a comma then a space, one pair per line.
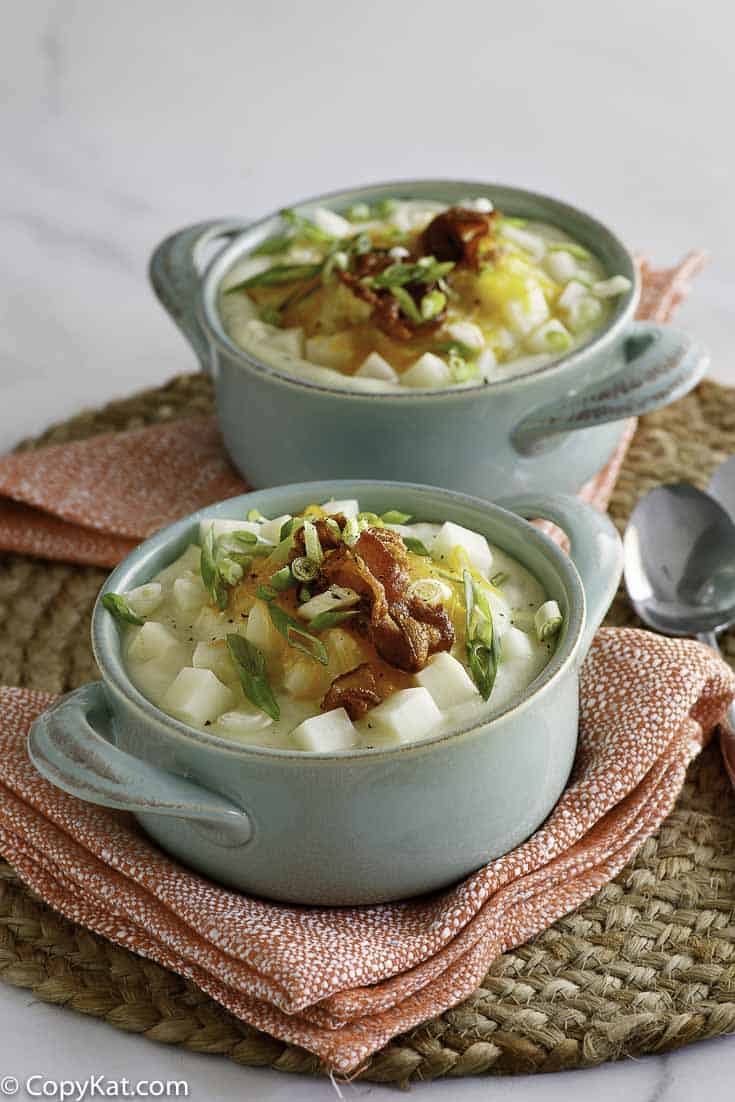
123, 121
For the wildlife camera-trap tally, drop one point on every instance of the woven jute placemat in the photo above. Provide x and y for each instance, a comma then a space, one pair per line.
647, 965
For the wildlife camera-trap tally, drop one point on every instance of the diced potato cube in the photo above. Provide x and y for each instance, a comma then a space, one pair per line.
343, 650
144, 599
197, 696
560, 265
330, 351
531, 243
326, 732
332, 223
223, 527
487, 364
550, 337
406, 716
271, 529
153, 640
335, 599
188, 594
215, 657
516, 645
428, 371
579, 308
375, 367
349, 507
303, 678
447, 680
286, 340
527, 313
452, 535
261, 633
609, 288
211, 624
467, 333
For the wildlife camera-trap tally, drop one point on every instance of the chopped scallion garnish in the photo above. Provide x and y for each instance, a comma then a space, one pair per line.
282, 579
256, 516
329, 620
304, 569
416, 546
547, 621
312, 546
499, 579
118, 607
394, 516
250, 665
483, 644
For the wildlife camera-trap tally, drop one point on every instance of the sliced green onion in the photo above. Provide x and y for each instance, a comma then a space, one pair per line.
499, 579
271, 315
351, 531
359, 212
371, 520
416, 546
394, 516
304, 570
483, 644
304, 594
557, 341
312, 545
273, 245
211, 577
432, 304
329, 620
282, 579
570, 247
266, 592
429, 590
306, 228
519, 222
230, 570
548, 620
385, 207
278, 275
406, 303
242, 535
118, 607
256, 515
296, 636
250, 665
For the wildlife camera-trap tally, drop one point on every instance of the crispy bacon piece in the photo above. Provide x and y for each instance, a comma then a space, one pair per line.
356, 692
458, 234
405, 632
386, 557
328, 538
387, 312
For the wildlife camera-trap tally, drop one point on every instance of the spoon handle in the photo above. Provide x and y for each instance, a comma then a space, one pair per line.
727, 729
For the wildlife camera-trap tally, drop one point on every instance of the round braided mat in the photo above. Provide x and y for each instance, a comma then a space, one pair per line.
648, 964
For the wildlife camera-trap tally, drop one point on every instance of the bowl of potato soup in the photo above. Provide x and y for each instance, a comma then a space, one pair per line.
339, 692
471, 336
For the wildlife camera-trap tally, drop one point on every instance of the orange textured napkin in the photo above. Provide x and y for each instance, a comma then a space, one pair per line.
91, 501
342, 981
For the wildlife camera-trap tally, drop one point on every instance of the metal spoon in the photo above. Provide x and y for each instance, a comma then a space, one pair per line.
680, 562
680, 570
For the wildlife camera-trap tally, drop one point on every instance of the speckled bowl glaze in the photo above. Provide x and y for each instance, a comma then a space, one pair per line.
550, 429
359, 826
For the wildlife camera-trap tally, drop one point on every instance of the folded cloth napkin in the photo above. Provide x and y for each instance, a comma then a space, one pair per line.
91, 501
342, 981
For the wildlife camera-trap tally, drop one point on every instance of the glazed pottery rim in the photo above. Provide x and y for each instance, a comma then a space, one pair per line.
252, 233
115, 677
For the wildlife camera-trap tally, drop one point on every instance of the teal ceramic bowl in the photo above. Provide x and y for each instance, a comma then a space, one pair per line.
550, 429
359, 826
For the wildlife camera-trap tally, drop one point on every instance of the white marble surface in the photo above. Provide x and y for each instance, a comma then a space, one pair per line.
121, 122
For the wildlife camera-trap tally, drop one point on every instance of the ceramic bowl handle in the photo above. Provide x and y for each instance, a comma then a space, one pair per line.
659, 365
67, 745
175, 271
595, 547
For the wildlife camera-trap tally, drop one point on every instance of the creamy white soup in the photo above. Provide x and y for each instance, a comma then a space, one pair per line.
415, 294
336, 629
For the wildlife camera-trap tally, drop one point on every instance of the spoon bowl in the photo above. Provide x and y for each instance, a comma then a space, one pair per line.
680, 561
